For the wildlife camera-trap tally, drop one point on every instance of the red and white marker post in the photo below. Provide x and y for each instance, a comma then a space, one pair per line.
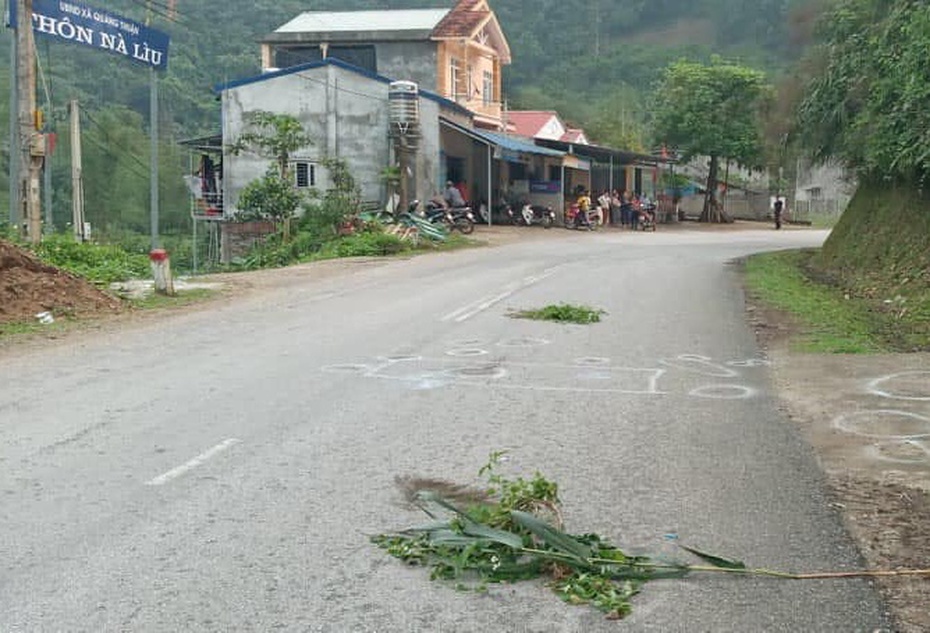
161, 272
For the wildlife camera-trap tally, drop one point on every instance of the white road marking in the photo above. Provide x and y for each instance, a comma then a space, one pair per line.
476, 307
174, 473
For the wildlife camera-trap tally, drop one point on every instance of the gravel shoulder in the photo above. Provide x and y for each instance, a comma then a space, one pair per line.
868, 419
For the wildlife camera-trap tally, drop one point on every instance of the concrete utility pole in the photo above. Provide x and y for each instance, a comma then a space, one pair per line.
153, 131
32, 144
77, 176
14, 135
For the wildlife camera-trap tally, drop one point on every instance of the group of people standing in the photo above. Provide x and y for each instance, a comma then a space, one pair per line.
620, 207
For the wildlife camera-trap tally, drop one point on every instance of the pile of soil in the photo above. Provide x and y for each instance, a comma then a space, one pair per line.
29, 286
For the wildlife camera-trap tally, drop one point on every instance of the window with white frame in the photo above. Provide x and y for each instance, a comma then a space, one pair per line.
454, 79
487, 92
304, 174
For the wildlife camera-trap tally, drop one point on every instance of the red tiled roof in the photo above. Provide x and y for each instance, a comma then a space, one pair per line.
573, 135
530, 122
462, 20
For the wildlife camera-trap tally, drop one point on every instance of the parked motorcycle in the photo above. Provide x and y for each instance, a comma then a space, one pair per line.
532, 214
460, 219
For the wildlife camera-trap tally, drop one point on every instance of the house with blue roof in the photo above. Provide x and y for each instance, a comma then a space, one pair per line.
328, 70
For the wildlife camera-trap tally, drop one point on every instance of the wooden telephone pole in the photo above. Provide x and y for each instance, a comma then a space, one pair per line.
32, 143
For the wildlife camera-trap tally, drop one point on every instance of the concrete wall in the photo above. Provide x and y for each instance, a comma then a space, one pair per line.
427, 159
346, 115
408, 61
823, 182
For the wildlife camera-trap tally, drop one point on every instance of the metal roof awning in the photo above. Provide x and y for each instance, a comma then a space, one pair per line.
506, 148
604, 154
212, 143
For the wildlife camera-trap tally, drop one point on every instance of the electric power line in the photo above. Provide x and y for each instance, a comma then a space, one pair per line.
106, 134
106, 150
324, 82
161, 10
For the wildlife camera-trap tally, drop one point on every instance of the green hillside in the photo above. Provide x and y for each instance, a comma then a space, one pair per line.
570, 48
594, 61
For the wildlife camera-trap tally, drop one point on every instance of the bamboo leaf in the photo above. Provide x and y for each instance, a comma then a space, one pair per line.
552, 537
472, 527
716, 561
503, 537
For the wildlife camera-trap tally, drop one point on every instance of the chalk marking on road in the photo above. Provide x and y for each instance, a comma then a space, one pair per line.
464, 353
476, 307
750, 363
703, 365
550, 389
400, 358
462, 375
723, 392
522, 342
468, 343
347, 368
912, 452
848, 423
487, 371
874, 387
186, 467
592, 361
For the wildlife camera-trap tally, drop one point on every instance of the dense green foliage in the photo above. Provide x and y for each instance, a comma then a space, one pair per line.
879, 252
269, 197
712, 110
867, 103
103, 264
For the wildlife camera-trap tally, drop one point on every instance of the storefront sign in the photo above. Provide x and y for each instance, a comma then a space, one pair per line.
545, 186
103, 30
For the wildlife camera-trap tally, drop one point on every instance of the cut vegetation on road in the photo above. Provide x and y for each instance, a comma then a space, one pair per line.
511, 530
562, 313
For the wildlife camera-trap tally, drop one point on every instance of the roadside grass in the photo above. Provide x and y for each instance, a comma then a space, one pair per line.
385, 245
307, 247
831, 323
879, 254
27, 328
156, 301
562, 313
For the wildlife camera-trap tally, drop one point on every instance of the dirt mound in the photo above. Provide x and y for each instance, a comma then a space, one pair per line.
28, 287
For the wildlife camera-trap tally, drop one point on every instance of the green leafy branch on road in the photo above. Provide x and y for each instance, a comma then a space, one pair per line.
562, 313
512, 530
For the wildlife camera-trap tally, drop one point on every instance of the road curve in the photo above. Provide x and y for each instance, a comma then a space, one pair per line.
223, 469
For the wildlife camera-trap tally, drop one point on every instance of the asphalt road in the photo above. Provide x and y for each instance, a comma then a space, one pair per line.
223, 469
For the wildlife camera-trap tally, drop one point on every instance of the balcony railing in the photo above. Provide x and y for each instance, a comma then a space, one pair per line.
492, 109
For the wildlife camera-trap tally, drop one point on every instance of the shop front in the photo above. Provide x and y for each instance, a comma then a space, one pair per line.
496, 169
